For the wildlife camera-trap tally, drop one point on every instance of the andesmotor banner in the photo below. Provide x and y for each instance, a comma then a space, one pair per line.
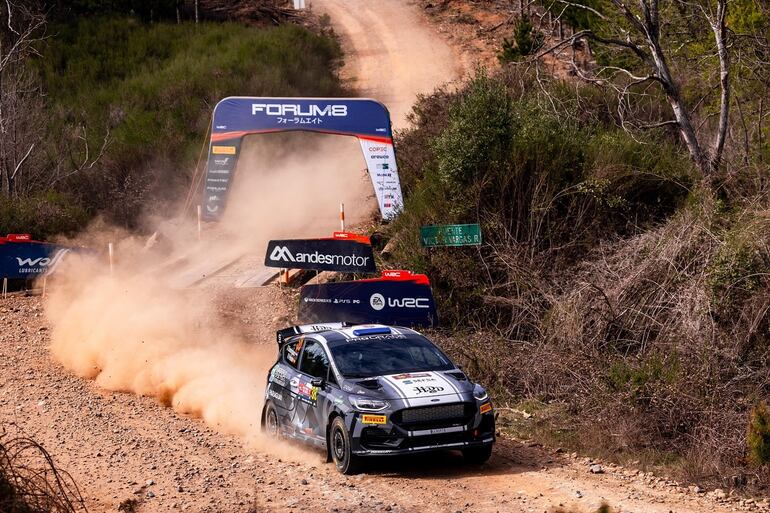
398, 298
236, 117
23, 258
351, 255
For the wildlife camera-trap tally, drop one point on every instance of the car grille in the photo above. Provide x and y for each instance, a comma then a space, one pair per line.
433, 413
432, 417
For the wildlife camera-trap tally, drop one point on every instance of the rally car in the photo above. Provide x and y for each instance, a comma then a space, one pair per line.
372, 390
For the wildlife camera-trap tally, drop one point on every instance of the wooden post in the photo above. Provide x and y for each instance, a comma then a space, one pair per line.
45, 281
110, 251
342, 217
199, 223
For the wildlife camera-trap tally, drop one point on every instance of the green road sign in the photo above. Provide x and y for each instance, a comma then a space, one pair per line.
450, 235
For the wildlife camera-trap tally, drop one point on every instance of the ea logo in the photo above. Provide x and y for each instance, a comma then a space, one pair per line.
377, 301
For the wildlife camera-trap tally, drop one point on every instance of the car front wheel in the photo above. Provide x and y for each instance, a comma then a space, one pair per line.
478, 455
339, 446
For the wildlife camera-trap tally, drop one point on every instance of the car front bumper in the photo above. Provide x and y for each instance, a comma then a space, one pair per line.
393, 438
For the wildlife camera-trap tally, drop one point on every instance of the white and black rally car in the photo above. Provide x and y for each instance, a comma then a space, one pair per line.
371, 390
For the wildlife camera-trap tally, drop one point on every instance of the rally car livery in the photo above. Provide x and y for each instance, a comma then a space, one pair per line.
371, 390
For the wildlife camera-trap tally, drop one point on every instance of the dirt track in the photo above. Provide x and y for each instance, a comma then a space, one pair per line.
115, 443
392, 54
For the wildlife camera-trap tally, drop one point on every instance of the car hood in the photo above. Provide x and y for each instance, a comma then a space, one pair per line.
425, 388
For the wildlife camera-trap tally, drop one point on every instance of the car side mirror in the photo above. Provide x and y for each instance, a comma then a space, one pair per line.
318, 382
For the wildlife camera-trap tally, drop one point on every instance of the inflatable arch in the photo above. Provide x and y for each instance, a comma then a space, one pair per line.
236, 117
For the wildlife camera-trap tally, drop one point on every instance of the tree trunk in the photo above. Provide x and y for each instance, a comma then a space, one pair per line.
720, 36
681, 113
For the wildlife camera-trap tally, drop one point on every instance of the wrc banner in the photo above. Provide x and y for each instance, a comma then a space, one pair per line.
345, 252
398, 298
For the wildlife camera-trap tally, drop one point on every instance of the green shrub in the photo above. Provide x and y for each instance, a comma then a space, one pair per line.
477, 136
758, 437
637, 378
42, 216
526, 41
738, 272
534, 177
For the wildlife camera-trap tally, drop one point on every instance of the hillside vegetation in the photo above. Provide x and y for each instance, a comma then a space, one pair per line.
619, 296
124, 106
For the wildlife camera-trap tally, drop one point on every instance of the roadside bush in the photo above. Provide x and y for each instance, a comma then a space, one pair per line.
622, 304
43, 216
477, 138
758, 437
526, 41
542, 183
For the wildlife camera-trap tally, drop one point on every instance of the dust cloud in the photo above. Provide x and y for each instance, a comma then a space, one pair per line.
131, 330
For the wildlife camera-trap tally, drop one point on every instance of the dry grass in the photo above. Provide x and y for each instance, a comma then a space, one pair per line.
30, 482
653, 347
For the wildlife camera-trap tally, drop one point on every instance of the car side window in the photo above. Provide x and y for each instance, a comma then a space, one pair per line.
292, 350
314, 360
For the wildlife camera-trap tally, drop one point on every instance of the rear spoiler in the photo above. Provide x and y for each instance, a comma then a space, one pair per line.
282, 335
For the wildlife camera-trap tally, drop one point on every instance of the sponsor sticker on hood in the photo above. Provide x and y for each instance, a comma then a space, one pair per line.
422, 388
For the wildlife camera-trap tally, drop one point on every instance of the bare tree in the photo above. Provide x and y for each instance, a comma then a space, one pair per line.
21, 116
642, 37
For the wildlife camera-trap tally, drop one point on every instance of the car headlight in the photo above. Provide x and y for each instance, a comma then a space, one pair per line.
479, 393
367, 403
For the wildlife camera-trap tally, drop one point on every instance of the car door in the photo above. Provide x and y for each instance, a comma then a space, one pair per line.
313, 400
281, 377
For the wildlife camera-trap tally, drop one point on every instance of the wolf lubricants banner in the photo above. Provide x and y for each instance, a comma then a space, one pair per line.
398, 297
236, 117
24, 258
345, 252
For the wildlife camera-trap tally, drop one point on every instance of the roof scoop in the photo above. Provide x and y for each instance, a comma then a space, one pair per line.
375, 330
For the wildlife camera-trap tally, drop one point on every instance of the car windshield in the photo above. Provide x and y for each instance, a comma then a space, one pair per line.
377, 356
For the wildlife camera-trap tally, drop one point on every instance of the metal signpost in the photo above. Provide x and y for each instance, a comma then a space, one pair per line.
450, 235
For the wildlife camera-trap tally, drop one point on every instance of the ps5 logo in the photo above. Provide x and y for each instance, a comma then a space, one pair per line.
289, 109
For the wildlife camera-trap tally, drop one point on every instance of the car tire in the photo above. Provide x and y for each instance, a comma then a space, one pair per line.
339, 447
271, 426
477, 455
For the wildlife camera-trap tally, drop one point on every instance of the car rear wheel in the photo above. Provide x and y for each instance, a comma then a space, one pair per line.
477, 455
339, 447
271, 426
